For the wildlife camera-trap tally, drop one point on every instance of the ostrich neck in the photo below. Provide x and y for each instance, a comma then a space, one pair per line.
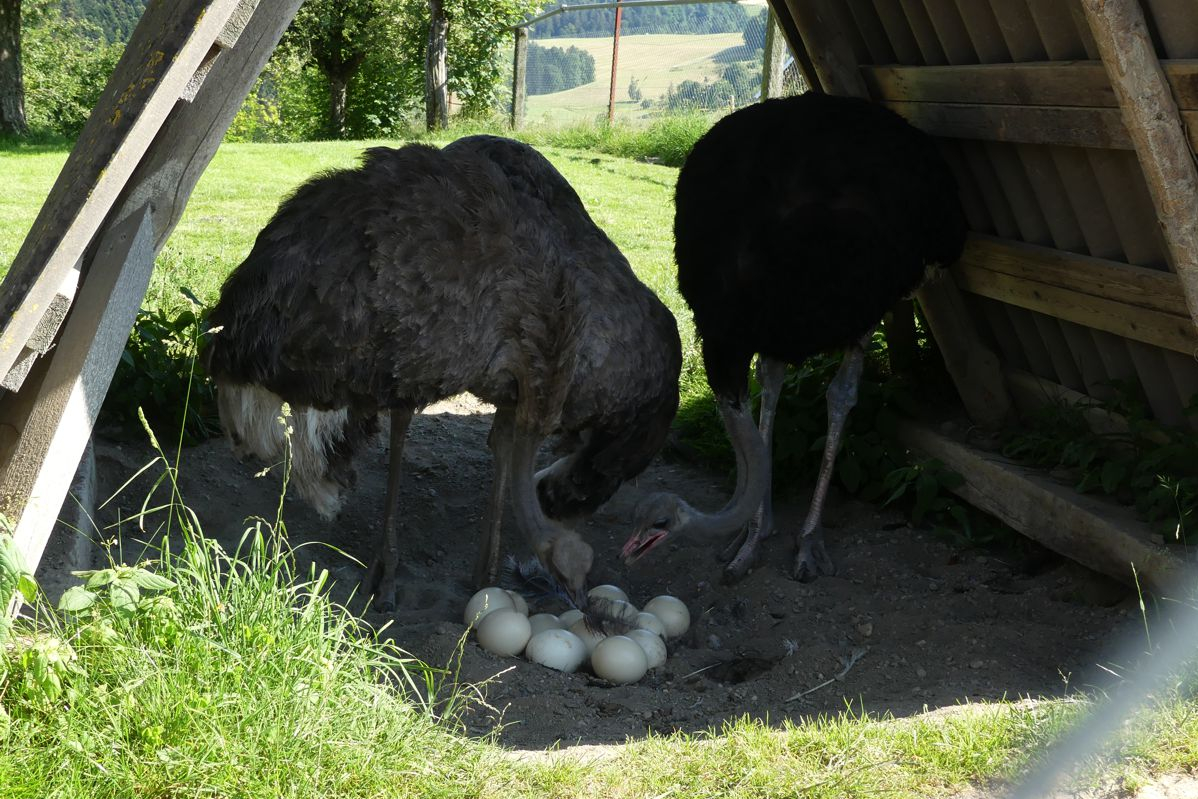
752, 477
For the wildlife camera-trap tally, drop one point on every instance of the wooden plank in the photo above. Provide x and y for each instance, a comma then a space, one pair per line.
983, 30
162, 182
950, 30
1172, 332
1175, 23
170, 43
866, 21
1075, 127
924, 32
1133, 285
37, 475
1157, 127
1083, 83
1057, 32
898, 32
1019, 30
1097, 533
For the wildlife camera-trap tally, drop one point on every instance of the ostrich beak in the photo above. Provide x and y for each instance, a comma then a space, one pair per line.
642, 542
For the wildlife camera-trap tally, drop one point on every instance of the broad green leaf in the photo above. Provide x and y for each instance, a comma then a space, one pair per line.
152, 582
77, 599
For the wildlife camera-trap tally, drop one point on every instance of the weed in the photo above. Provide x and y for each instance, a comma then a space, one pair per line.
1145, 463
158, 374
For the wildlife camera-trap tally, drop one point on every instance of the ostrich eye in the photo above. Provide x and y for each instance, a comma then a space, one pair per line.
663, 522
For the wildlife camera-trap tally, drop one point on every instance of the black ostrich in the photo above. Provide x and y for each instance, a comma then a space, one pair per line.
799, 223
424, 273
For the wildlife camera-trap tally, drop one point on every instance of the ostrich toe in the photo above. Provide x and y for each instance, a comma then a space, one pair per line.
813, 559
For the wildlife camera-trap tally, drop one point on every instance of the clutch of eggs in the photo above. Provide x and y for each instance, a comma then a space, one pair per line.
565, 642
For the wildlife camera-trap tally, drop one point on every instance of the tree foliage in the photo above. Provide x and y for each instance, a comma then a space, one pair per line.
554, 69
739, 84
67, 63
114, 20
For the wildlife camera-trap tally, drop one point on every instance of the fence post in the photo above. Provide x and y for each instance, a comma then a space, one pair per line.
519, 77
615, 57
771, 67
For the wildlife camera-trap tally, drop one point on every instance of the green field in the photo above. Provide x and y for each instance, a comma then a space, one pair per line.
657, 61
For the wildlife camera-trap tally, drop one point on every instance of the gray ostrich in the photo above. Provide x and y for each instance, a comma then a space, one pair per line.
425, 273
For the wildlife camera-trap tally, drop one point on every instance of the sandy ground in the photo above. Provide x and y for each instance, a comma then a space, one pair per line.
932, 623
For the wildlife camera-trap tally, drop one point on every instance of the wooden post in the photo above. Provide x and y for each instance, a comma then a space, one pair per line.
53, 413
771, 66
615, 58
1156, 130
975, 370
519, 77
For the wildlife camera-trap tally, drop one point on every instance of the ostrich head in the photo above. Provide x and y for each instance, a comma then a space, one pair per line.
654, 519
569, 559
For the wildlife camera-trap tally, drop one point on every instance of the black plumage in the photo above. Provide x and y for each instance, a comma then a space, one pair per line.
424, 273
799, 223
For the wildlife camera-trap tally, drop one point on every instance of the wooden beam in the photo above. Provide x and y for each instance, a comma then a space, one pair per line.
1157, 129
1149, 326
1031, 392
36, 476
1097, 533
170, 45
1135, 285
157, 191
1072, 127
1073, 83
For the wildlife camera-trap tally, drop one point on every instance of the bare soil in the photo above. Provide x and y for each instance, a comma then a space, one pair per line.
932, 622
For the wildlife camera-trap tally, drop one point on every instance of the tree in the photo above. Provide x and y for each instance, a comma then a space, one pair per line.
12, 85
337, 36
436, 73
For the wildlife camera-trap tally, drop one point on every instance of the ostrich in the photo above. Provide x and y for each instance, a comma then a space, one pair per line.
424, 273
799, 222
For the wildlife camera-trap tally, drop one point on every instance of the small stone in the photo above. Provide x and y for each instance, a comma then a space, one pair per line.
714, 642
866, 629
921, 672
976, 664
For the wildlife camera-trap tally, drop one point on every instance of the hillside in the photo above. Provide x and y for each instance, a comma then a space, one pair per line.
116, 19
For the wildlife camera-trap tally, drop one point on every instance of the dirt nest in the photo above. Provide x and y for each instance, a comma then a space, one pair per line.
930, 622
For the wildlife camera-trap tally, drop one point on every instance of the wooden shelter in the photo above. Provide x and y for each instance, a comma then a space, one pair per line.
1071, 126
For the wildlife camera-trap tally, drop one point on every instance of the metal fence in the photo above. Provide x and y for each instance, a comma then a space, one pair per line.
632, 62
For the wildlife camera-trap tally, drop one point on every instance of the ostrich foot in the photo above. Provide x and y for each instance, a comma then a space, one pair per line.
813, 559
733, 547
380, 581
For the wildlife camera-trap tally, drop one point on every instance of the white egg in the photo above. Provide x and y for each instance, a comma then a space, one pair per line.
568, 618
607, 592
619, 659
647, 621
588, 637
655, 648
558, 649
543, 621
486, 601
672, 613
504, 632
518, 602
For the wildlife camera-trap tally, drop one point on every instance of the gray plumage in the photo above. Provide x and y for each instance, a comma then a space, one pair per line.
424, 273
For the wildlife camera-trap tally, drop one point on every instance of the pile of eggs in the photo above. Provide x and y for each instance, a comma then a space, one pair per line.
566, 642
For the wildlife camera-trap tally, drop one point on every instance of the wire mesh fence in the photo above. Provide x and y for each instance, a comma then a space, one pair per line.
669, 57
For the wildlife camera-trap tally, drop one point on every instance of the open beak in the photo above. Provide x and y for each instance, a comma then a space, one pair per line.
640, 543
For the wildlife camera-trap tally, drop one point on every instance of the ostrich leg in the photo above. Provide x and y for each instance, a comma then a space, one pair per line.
812, 559
742, 552
381, 577
486, 567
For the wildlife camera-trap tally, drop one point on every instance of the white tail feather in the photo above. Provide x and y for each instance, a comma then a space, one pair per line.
250, 416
